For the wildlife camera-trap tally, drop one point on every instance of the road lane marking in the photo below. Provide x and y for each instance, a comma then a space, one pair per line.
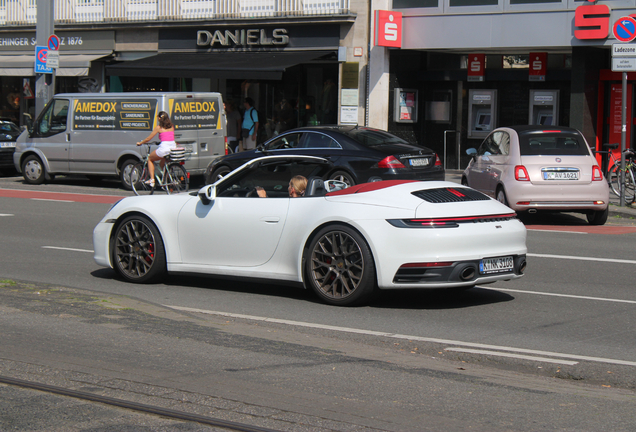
405, 337
510, 355
555, 231
571, 257
561, 295
60, 196
67, 249
6, 214
48, 199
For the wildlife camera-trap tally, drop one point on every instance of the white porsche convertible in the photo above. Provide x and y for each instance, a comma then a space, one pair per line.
343, 243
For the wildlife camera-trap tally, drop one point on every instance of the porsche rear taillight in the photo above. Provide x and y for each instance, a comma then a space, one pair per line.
597, 175
390, 162
521, 174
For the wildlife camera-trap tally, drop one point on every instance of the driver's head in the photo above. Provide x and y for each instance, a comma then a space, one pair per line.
297, 186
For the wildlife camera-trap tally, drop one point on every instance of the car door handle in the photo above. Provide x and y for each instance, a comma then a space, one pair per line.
270, 219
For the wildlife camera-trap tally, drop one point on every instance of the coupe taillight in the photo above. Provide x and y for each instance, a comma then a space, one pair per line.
521, 174
390, 162
597, 175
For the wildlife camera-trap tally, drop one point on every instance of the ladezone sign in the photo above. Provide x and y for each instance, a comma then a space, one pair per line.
592, 21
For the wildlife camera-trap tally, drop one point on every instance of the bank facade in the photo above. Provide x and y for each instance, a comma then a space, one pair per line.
469, 66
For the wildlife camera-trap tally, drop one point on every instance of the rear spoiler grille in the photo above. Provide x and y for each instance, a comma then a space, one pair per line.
448, 195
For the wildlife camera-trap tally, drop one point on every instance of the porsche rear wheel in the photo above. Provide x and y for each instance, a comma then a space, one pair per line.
137, 253
339, 266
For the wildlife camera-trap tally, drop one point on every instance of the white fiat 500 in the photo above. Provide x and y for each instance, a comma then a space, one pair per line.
342, 243
531, 168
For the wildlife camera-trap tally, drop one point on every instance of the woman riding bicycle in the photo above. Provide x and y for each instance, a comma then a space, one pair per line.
165, 129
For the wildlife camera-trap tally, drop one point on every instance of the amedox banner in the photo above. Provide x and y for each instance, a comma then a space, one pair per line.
195, 113
105, 114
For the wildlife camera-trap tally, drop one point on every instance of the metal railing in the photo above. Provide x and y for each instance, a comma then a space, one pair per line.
23, 12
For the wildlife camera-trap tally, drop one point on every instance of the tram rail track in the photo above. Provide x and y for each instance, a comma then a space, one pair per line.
134, 406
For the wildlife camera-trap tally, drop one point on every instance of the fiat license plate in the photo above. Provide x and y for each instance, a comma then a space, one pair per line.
418, 162
561, 175
496, 265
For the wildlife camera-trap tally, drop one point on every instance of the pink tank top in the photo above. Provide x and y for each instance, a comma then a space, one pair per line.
166, 136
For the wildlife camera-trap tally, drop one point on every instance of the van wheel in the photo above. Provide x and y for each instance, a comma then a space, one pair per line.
124, 172
33, 170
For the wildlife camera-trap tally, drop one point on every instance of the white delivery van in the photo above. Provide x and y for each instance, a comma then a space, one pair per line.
96, 133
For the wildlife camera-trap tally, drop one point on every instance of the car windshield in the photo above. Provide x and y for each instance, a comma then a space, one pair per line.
273, 177
563, 144
9, 127
373, 138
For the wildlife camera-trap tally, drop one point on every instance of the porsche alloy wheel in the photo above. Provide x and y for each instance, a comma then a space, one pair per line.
340, 267
138, 253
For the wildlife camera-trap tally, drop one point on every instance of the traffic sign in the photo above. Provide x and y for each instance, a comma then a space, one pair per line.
40, 61
53, 59
623, 64
53, 43
625, 29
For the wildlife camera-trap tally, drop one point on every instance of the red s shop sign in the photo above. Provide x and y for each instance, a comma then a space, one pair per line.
592, 21
388, 29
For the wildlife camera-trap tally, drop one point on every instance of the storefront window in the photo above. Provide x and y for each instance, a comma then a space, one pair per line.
407, 4
454, 3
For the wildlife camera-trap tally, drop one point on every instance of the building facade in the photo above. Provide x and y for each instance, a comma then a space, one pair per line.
465, 67
289, 56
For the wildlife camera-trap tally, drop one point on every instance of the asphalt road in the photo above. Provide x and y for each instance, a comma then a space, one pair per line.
554, 350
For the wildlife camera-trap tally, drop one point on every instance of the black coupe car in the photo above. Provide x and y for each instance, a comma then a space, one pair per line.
359, 154
9, 132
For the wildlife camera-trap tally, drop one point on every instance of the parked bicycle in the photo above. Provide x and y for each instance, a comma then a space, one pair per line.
613, 173
173, 178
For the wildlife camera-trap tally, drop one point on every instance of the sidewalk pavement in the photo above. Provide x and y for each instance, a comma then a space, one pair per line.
628, 212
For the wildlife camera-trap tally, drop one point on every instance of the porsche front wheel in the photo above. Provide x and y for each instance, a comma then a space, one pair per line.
137, 253
339, 266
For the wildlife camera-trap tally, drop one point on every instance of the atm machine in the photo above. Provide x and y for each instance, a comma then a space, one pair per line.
482, 112
544, 107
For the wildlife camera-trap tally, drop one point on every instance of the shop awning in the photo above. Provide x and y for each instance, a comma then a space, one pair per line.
239, 65
70, 64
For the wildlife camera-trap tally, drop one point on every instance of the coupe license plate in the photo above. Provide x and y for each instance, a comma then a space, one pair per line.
418, 162
496, 265
561, 175
7, 144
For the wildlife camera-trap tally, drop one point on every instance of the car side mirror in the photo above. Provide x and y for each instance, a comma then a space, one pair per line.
207, 194
471, 152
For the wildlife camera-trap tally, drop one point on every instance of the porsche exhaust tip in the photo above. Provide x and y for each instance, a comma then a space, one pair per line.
522, 267
467, 274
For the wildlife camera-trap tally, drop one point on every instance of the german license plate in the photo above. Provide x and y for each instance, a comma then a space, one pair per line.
496, 265
418, 162
561, 175
7, 144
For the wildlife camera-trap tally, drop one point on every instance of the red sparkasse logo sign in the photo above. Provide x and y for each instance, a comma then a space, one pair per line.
592, 21
388, 29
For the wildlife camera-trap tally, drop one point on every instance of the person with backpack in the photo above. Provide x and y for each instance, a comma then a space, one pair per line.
250, 125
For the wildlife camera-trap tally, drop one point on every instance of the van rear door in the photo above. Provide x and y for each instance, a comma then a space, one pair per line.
198, 128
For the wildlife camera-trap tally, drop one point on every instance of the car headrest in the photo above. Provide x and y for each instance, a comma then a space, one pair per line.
315, 187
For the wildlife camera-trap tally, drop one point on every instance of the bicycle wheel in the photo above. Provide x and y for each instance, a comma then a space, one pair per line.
178, 179
630, 185
614, 178
139, 176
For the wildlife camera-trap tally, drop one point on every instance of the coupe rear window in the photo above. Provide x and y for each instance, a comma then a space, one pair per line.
372, 138
564, 144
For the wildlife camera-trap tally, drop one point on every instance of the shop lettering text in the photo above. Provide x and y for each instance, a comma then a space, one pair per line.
242, 37
23, 41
